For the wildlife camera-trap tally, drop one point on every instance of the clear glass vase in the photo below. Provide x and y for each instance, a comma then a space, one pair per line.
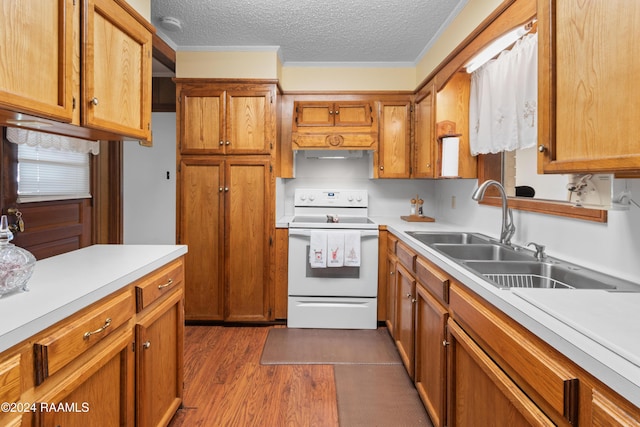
16, 264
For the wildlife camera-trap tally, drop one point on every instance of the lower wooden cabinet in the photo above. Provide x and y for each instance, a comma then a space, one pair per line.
97, 393
430, 354
159, 361
405, 316
480, 393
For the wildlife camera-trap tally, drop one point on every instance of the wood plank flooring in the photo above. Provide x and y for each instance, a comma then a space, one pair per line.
225, 385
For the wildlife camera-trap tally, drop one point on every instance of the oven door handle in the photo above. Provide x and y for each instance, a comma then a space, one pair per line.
307, 232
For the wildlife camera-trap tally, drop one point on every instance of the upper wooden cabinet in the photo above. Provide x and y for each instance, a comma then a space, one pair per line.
42, 72
588, 86
334, 125
394, 144
116, 71
226, 120
424, 119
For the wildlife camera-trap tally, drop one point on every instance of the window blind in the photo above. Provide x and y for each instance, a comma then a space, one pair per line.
52, 175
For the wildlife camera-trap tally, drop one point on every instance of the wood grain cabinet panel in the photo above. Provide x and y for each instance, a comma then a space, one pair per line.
479, 392
160, 283
159, 361
394, 144
588, 86
35, 79
55, 351
607, 413
405, 317
425, 140
10, 384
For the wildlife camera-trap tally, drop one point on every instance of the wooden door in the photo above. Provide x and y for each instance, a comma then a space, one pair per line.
394, 146
159, 359
201, 226
430, 377
248, 238
36, 57
423, 161
116, 71
391, 295
100, 393
353, 113
313, 113
202, 121
249, 122
404, 327
588, 86
479, 392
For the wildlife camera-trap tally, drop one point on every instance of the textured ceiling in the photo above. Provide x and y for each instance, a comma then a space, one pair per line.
310, 31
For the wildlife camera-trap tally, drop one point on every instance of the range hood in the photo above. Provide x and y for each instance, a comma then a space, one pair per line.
332, 154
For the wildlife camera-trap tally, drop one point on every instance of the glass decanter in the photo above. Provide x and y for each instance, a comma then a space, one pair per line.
16, 264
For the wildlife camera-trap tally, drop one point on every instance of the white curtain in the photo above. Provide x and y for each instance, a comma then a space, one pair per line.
51, 141
503, 113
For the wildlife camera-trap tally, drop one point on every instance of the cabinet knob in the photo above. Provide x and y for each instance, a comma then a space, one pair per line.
226, 188
220, 189
146, 345
413, 300
408, 295
445, 343
228, 143
542, 148
94, 101
381, 168
221, 142
392, 273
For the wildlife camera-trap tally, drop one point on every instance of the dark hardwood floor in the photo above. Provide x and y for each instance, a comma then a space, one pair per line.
225, 385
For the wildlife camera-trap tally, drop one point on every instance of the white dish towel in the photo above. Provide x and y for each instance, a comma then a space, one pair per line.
318, 249
352, 249
335, 246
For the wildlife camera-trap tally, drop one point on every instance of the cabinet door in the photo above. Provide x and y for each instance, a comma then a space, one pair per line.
159, 358
248, 239
479, 393
116, 71
588, 86
404, 327
36, 57
202, 121
430, 377
353, 113
425, 135
100, 393
201, 226
391, 296
313, 113
394, 152
249, 123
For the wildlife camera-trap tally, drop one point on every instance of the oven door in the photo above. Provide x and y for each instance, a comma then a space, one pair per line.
332, 281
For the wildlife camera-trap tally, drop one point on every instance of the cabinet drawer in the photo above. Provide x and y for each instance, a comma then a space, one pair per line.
392, 241
528, 361
10, 374
406, 256
71, 339
159, 283
433, 279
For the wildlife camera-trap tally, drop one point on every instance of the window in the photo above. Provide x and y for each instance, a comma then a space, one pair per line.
48, 174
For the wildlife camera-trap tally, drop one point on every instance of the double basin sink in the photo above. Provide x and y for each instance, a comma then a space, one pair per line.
508, 267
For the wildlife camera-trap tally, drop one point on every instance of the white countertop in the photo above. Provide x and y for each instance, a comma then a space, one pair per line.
65, 284
597, 330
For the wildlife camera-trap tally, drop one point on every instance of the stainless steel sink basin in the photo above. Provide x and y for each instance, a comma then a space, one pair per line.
534, 274
485, 251
458, 238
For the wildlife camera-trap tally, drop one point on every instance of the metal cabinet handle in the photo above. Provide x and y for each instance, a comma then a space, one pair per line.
146, 345
94, 101
169, 283
107, 322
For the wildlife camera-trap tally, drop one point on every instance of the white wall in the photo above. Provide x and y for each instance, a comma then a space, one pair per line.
612, 247
387, 197
149, 198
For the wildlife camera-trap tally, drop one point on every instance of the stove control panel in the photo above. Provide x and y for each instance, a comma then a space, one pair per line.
337, 198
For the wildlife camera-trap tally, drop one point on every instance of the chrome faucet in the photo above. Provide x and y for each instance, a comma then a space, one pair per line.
508, 229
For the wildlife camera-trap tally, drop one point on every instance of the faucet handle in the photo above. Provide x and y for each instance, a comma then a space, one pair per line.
540, 254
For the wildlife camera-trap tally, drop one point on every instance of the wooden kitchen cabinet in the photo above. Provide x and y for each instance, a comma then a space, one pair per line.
390, 284
223, 119
347, 124
98, 392
423, 160
159, 360
608, 411
393, 158
588, 87
225, 217
430, 339
43, 74
405, 317
480, 393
